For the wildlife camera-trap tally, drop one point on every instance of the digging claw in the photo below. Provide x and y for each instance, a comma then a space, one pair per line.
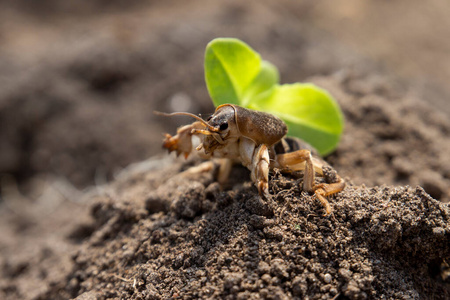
172, 143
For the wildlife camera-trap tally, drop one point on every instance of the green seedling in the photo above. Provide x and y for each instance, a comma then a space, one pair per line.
236, 74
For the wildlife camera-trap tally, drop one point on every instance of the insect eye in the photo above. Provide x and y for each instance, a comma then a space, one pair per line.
223, 126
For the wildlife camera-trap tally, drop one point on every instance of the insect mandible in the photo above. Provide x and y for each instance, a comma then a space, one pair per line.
257, 140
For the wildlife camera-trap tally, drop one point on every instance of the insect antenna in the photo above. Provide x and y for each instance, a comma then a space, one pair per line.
211, 128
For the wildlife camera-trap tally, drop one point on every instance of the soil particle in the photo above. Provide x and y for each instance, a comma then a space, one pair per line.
258, 206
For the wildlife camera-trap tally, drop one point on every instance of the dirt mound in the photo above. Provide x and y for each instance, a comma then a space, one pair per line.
168, 230
188, 239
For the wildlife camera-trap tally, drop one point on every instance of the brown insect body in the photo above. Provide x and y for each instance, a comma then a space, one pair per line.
260, 127
256, 139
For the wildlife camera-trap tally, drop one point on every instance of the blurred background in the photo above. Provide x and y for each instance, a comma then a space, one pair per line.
79, 79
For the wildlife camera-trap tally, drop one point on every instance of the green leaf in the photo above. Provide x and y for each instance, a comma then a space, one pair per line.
268, 77
309, 111
230, 67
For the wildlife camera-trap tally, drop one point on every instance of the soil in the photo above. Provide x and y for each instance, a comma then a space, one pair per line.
77, 89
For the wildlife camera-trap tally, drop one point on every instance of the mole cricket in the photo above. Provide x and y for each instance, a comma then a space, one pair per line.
258, 141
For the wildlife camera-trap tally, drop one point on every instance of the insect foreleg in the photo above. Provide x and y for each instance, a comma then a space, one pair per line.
182, 141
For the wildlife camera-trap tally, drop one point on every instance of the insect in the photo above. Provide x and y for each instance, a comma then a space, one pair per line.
257, 140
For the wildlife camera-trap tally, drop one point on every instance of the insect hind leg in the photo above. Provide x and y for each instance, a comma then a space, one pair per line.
323, 190
302, 160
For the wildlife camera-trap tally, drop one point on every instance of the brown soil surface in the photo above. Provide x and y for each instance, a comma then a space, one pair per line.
76, 95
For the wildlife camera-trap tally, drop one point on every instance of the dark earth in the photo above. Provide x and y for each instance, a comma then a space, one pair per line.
91, 207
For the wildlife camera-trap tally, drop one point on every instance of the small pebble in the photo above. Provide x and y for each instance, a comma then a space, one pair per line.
327, 278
